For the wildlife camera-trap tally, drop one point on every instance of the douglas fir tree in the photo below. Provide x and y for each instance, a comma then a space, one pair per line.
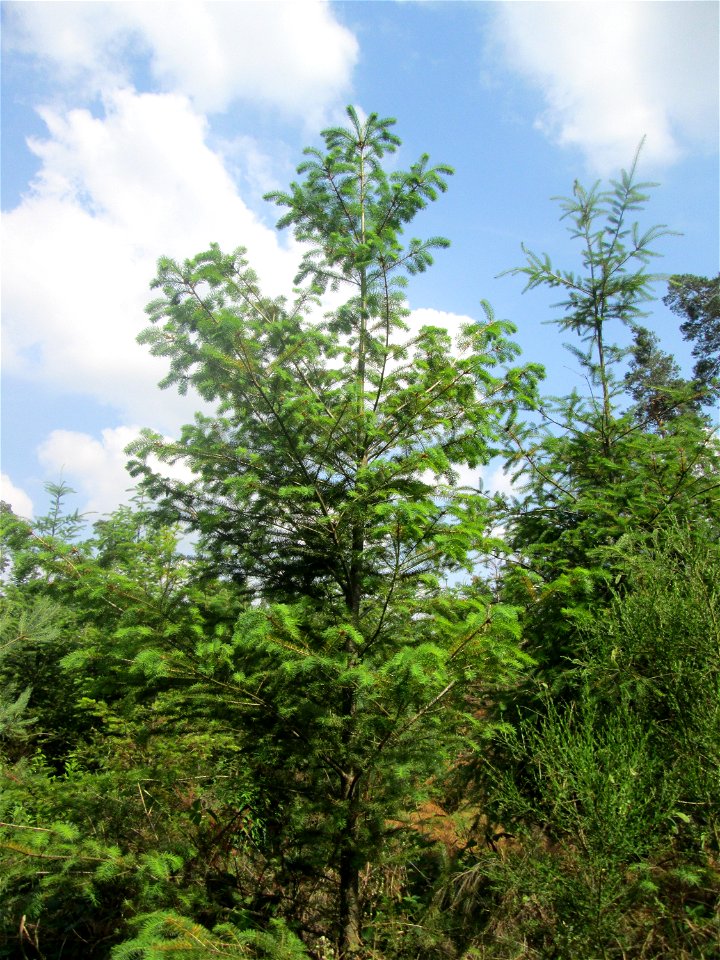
325, 487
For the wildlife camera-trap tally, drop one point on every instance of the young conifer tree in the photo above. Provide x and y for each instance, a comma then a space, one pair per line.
326, 486
598, 467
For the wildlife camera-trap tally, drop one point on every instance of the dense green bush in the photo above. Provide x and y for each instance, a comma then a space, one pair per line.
613, 798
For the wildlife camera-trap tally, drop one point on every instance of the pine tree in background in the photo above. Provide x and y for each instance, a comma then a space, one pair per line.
697, 300
326, 486
654, 382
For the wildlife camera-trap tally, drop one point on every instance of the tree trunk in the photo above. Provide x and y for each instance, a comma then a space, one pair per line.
349, 862
350, 919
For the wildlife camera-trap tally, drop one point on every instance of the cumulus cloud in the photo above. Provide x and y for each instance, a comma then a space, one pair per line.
140, 175
96, 468
496, 480
291, 55
17, 498
611, 73
112, 195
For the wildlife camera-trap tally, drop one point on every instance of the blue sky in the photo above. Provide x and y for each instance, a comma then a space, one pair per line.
135, 130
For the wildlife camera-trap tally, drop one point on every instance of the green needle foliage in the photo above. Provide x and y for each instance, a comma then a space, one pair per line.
169, 933
596, 467
318, 731
115, 799
326, 486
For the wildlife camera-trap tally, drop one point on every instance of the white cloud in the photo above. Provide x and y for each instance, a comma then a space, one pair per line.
76, 39
496, 480
96, 468
291, 55
112, 195
611, 73
260, 169
17, 498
